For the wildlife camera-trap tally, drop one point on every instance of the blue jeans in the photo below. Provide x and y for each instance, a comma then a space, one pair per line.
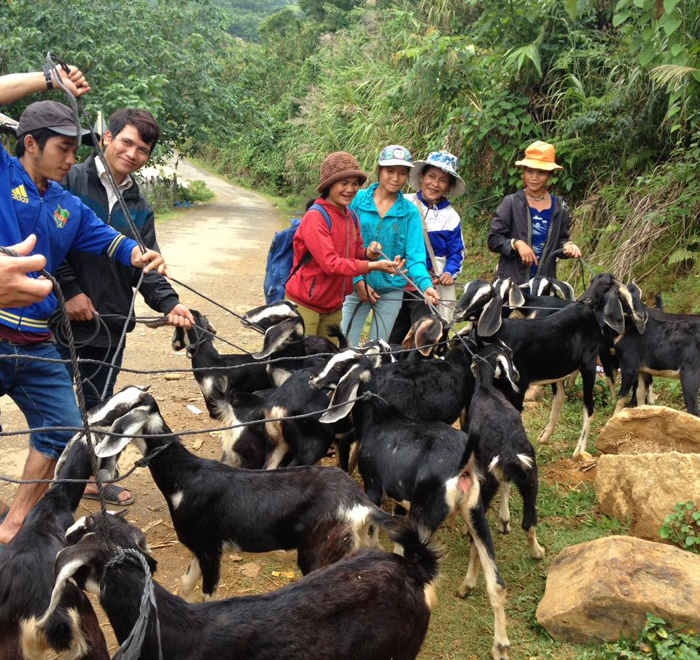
95, 373
43, 391
385, 311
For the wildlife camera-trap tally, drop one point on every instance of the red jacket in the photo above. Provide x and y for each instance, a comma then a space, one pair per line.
338, 256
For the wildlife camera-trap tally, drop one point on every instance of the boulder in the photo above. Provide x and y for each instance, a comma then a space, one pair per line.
645, 488
650, 429
602, 590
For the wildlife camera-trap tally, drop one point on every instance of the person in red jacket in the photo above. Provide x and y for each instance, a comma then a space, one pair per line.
318, 286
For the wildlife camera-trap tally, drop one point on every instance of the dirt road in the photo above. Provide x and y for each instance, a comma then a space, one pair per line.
219, 249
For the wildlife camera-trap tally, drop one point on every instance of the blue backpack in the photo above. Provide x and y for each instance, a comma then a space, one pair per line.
280, 258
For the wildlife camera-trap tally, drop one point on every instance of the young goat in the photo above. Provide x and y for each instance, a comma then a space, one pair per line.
26, 563
372, 605
545, 350
317, 510
502, 448
427, 464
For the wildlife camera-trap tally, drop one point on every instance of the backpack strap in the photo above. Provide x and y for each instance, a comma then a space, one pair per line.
324, 213
308, 256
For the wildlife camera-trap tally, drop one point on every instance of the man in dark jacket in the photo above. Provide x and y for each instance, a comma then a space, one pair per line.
95, 284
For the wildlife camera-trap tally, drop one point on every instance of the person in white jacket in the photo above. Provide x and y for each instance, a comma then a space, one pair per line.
436, 180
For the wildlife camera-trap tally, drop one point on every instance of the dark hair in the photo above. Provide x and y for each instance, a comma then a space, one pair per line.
325, 193
141, 120
41, 137
427, 166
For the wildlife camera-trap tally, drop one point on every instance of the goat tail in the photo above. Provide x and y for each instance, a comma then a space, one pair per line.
511, 466
335, 332
61, 634
422, 557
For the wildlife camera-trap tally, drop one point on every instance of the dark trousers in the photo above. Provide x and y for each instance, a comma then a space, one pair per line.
412, 309
95, 375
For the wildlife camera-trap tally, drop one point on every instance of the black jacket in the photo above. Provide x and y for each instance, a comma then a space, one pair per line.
107, 283
513, 220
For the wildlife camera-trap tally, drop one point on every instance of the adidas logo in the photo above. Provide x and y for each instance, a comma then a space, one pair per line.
19, 194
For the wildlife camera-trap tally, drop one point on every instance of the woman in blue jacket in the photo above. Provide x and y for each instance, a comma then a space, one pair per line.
387, 217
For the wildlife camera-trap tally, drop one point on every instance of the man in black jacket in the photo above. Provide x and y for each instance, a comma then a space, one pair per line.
96, 284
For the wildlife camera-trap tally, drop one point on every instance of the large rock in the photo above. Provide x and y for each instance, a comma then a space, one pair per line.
601, 590
650, 429
645, 488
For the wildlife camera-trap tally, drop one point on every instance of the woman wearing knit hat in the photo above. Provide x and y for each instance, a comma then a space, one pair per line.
532, 223
326, 258
388, 217
436, 181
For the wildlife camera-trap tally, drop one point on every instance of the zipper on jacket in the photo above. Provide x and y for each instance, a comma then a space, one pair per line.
312, 287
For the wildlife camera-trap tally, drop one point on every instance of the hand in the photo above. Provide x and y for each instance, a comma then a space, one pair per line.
149, 260
74, 81
527, 256
180, 317
446, 279
366, 293
80, 308
16, 289
432, 295
572, 250
373, 250
385, 266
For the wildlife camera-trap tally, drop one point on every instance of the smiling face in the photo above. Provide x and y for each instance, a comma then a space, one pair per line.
435, 184
393, 177
535, 181
126, 152
342, 192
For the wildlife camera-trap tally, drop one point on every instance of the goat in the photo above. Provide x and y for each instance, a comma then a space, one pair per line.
372, 604
644, 343
319, 511
501, 444
25, 565
430, 465
545, 350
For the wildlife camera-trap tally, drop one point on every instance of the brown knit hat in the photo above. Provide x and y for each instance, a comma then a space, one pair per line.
339, 165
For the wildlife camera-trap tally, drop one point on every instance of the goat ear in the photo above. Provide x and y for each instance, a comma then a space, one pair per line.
277, 336
130, 424
206, 324
612, 312
180, 339
507, 369
515, 296
410, 336
429, 331
68, 561
564, 289
343, 396
490, 318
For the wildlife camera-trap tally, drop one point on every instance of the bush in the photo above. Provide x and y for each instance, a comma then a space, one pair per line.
656, 642
682, 527
196, 191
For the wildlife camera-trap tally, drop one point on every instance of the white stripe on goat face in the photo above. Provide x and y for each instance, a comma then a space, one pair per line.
128, 397
484, 293
280, 310
346, 356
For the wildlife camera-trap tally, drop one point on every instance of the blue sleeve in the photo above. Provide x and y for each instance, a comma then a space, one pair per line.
455, 251
415, 252
96, 237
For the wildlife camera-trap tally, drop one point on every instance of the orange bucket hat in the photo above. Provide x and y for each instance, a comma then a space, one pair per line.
540, 156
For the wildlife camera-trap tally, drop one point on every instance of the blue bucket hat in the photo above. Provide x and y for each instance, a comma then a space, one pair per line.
444, 161
395, 154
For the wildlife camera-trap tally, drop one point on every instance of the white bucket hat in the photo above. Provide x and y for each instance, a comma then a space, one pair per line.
444, 161
395, 154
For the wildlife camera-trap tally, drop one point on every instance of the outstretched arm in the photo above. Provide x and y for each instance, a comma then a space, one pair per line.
16, 86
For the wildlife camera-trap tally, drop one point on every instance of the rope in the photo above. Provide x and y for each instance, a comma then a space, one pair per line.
131, 648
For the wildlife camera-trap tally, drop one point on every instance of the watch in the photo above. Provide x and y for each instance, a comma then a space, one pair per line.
48, 76
512, 243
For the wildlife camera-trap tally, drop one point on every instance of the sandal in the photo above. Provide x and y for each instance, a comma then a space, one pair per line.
111, 494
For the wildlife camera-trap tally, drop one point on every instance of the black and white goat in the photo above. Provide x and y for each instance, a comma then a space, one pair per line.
644, 343
319, 511
73, 630
429, 465
502, 448
545, 350
372, 605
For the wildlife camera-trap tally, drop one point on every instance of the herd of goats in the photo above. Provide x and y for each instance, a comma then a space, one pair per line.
390, 412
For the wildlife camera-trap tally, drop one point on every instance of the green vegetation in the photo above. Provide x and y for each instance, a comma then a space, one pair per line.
196, 191
682, 527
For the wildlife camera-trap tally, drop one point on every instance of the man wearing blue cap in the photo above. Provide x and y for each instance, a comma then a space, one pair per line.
33, 203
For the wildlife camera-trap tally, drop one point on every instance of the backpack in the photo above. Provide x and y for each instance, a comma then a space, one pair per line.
280, 257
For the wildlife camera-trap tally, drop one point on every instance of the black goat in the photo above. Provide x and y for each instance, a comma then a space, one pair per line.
25, 565
372, 605
319, 511
429, 465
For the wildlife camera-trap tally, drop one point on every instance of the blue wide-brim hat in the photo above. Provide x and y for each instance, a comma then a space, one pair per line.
443, 160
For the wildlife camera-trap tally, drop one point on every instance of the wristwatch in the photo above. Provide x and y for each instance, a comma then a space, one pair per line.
48, 76
512, 243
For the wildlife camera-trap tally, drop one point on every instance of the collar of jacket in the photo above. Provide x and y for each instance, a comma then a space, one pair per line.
439, 205
132, 193
365, 202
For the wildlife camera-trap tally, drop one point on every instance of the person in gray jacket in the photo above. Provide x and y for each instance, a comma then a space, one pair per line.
531, 224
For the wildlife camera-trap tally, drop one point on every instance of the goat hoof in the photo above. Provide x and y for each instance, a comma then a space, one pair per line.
464, 592
500, 651
537, 552
504, 526
582, 456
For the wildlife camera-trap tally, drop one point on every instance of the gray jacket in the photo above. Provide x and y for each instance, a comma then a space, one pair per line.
513, 220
